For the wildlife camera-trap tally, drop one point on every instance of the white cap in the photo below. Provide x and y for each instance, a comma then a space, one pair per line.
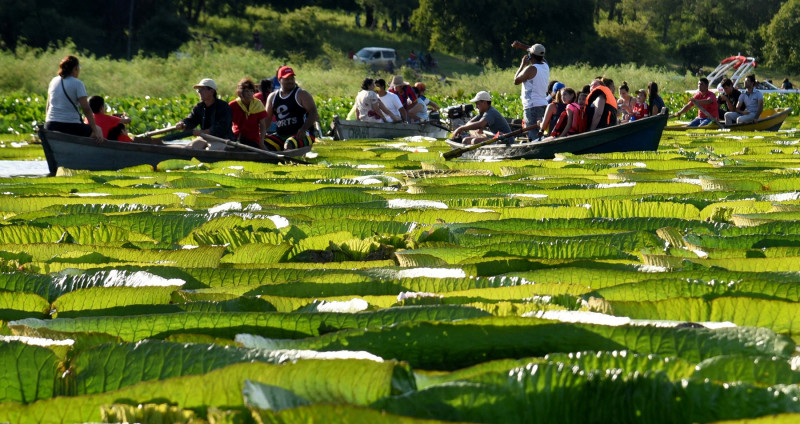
482, 95
206, 82
536, 49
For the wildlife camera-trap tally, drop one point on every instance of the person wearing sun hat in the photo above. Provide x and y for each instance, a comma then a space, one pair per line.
534, 75
209, 116
488, 120
410, 102
295, 112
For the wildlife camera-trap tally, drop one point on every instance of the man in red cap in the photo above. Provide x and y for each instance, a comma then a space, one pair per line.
295, 112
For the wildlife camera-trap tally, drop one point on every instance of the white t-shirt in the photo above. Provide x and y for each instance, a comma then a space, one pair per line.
364, 104
423, 115
392, 102
61, 108
534, 90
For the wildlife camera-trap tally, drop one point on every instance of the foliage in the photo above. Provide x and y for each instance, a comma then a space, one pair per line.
780, 36
485, 30
162, 35
382, 284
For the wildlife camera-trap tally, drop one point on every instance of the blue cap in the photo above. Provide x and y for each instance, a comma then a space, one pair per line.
558, 86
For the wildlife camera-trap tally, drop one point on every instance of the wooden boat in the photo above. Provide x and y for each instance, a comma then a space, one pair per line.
770, 120
640, 135
346, 130
74, 152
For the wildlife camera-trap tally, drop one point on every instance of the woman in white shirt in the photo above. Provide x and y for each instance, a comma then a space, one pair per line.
369, 107
64, 95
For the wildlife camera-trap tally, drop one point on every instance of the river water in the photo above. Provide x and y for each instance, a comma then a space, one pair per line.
23, 168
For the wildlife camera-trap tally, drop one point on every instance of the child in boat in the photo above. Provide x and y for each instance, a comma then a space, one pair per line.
640, 109
113, 126
569, 121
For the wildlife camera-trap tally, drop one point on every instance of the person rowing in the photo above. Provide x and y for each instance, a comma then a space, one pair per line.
488, 119
211, 114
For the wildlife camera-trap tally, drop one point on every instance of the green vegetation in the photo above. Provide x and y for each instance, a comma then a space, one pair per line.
383, 284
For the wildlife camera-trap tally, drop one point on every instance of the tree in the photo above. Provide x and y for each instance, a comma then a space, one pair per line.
485, 30
781, 35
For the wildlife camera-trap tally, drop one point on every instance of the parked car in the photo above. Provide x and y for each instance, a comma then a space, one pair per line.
377, 57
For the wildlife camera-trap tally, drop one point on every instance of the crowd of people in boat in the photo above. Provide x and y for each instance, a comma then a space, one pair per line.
281, 116
401, 103
288, 109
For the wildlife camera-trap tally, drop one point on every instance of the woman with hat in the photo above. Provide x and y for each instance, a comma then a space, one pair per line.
211, 115
407, 97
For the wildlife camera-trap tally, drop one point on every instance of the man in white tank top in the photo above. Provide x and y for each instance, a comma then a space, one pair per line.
534, 75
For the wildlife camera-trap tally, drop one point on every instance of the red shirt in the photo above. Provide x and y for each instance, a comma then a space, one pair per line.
639, 110
262, 97
107, 123
406, 94
244, 126
712, 107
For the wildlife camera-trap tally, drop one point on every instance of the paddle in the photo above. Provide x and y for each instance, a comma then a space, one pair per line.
156, 132
211, 138
699, 106
461, 150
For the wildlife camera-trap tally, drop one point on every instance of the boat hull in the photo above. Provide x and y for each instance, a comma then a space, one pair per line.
771, 120
347, 130
641, 135
74, 152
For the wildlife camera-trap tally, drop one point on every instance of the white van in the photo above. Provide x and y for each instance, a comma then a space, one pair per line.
378, 57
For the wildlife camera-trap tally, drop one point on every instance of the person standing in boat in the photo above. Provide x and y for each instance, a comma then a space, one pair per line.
750, 106
64, 94
707, 100
210, 116
249, 117
729, 97
295, 110
488, 119
534, 75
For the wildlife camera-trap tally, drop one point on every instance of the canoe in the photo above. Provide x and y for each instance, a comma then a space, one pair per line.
74, 152
345, 130
770, 120
641, 135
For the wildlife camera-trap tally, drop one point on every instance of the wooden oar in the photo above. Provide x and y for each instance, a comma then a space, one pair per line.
156, 132
699, 106
461, 150
210, 138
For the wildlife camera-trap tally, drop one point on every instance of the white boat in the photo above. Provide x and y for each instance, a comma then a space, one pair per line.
345, 130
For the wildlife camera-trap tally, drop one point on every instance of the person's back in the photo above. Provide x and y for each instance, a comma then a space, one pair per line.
608, 115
